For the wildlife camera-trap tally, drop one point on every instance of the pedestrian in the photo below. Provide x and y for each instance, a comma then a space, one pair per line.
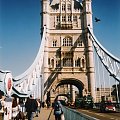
48, 104
14, 107
31, 106
20, 115
38, 108
58, 111
2, 104
43, 104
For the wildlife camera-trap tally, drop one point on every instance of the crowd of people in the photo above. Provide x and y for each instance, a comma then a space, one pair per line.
21, 108
28, 108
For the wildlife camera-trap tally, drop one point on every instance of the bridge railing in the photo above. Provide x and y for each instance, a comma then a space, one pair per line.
71, 114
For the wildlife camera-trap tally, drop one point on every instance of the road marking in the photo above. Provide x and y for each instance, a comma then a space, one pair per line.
94, 113
100, 114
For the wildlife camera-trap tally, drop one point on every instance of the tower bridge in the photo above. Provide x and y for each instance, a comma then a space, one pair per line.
66, 54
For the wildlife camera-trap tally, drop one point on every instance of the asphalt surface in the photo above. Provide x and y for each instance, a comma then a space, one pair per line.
101, 116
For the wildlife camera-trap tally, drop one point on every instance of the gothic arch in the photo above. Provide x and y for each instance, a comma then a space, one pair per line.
67, 41
74, 82
52, 63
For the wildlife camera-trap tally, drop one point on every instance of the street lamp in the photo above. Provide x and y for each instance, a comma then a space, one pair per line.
41, 88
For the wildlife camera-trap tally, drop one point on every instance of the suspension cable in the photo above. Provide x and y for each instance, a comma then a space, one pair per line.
109, 86
117, 99
103, 81
99, 78
95, 77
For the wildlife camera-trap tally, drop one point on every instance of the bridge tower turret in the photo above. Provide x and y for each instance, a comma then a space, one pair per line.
45, 22
87, 13
45, 11
68, 55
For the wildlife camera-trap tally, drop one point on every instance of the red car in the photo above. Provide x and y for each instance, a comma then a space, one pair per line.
107, 106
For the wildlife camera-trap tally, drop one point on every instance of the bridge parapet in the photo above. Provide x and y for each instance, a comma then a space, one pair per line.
71, 114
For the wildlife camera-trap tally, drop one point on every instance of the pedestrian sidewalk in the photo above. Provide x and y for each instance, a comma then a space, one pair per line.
45, 114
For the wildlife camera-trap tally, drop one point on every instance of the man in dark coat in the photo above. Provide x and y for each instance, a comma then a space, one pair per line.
31, 106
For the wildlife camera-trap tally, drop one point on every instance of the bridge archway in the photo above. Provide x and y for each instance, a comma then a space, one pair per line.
71, 81
64, 97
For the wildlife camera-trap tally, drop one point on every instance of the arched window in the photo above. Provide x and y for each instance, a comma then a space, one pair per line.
63, 7
54, 43
48, 61
75, 18
77, 62
63, 18
69, 18
58, 18
67, 41
69, 7
83, 63
52, 63
68, 59
79, 43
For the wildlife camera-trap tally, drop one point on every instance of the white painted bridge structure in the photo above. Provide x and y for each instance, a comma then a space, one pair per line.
32, 80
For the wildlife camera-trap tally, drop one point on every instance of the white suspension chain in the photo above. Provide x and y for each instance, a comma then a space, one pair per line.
117, 92
103, 77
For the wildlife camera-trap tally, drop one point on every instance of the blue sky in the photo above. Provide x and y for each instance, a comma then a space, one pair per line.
20, 31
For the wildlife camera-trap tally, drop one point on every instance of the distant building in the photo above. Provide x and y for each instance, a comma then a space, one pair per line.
104, 92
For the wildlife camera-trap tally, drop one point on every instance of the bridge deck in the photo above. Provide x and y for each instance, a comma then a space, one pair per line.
45, 114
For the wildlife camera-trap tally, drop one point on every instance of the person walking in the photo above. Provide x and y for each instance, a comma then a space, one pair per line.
48, 104
38, 108
31, 106
57, 109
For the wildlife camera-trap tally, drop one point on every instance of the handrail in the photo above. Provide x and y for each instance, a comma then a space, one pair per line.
71, 114
110, 62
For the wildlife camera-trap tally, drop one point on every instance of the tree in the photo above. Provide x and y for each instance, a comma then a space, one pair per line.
116, 91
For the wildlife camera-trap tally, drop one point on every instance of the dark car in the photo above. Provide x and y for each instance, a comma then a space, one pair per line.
107, 106
63, 102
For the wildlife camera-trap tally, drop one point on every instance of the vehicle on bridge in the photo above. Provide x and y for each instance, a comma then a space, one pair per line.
107, 106
79, 102
84, 102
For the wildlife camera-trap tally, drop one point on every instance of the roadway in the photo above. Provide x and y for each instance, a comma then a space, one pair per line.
47, 114
101, 116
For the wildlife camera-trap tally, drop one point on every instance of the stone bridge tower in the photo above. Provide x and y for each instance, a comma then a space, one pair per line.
68, 59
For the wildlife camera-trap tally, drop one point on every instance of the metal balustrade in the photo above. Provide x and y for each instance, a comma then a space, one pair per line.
71, 114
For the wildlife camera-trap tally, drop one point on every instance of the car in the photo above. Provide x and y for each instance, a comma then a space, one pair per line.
63, 102
107, 107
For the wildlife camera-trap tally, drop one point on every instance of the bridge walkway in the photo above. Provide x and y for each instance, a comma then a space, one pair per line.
45, 114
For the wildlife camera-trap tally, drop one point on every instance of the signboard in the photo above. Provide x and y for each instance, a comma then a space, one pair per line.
8, 83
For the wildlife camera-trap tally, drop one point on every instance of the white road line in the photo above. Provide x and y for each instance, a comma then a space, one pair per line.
100, 114
112, 118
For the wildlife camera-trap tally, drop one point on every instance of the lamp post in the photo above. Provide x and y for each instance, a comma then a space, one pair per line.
41, 87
